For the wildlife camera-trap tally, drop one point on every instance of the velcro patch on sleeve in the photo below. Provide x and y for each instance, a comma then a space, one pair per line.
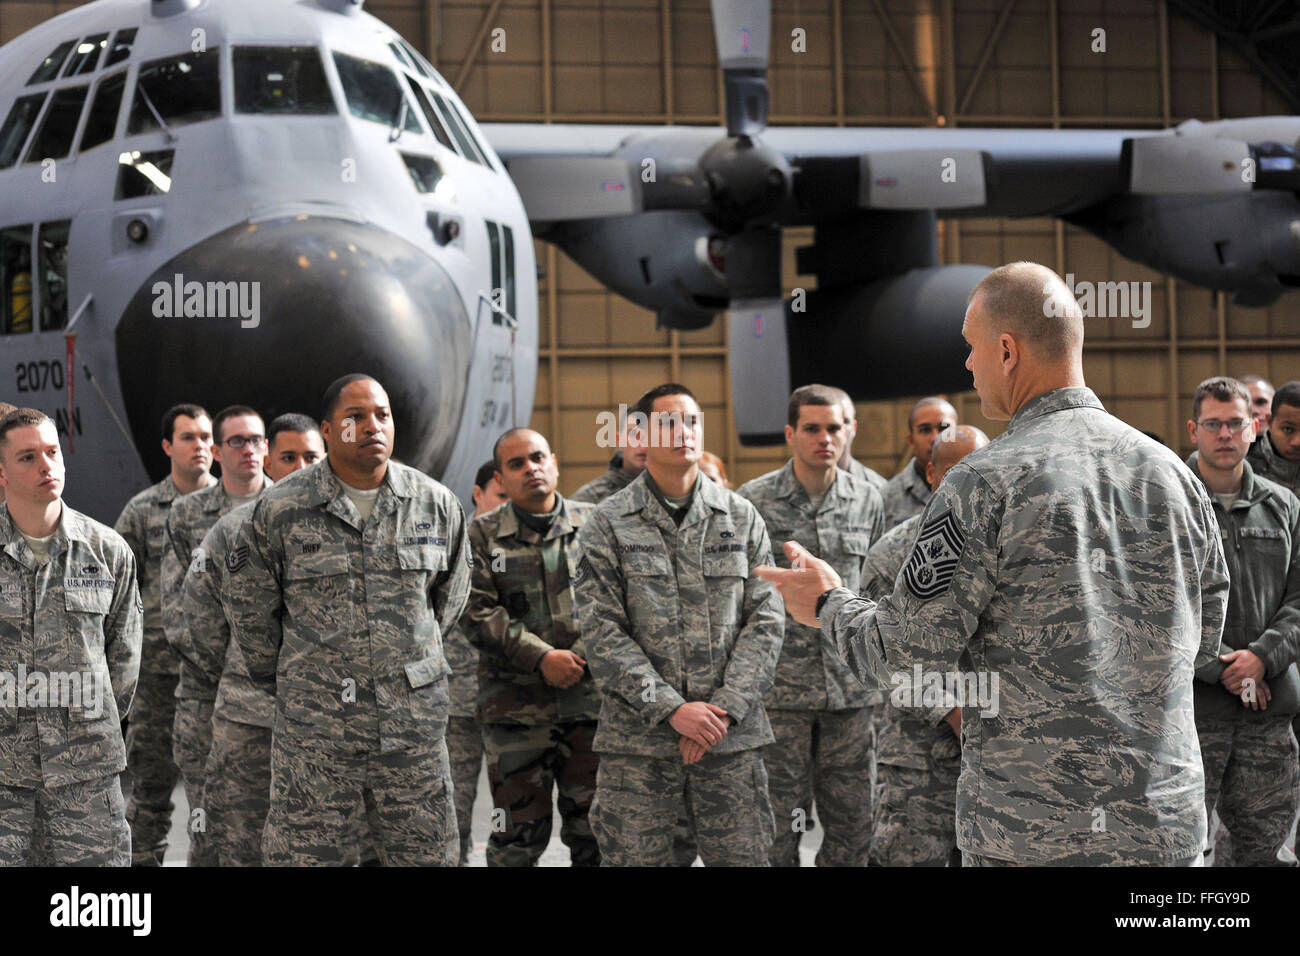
933, 561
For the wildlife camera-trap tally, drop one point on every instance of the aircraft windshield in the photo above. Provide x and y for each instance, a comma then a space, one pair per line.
17, 125
182, 89
373, 92
103, 112
49, 67
121, 47
430, 114
280, 79
86, 56
54, 141
468, 145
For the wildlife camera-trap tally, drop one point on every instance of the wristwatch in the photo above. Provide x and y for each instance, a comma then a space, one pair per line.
821, 602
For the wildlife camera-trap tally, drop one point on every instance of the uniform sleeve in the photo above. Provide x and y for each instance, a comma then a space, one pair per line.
131, 526
124, 633
487, 623
618, 664
450, 588
1279, 644
751, 668
175, 562
206, 635
935, 608
1214, 586
254, 595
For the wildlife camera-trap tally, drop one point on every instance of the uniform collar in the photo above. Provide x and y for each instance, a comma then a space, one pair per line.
168, 492
788, 486
1252, 490
1272, 460
708, 498
214, 499
72, 527
1057, 400
566, 522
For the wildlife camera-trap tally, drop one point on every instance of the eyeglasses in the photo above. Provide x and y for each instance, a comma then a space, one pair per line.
237, 442
1214, 426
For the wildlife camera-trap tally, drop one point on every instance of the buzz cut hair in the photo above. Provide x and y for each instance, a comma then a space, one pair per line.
926, 403
330, 401
1288, 394
486, 472
1255, 380
188, 409
846, 400
1031, 302
646, 403
290, 422
1221, 389
231, 411
21, 418
812, 395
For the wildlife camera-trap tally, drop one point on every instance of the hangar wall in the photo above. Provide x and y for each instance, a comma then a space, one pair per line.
866, 62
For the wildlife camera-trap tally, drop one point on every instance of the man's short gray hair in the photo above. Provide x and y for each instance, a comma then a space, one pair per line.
1031, 302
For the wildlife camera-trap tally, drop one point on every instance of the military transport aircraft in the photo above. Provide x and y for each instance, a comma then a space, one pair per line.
218, 200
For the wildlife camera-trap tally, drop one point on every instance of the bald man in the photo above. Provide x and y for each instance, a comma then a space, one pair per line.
537, 703
918, 746
1079, 563
1261, 400
907, 493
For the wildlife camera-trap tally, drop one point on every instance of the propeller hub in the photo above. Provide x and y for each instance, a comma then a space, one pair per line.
748, 182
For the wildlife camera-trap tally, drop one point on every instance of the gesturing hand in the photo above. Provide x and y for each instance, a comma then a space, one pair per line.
808, 578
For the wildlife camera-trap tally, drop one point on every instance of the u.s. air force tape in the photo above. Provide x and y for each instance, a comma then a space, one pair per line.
933, 561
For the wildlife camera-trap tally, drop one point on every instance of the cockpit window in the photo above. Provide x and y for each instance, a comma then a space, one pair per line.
280, 79
121, 47
54, 141
102, 121
16, 279
144, 174
373, 92
400, 54
422, 66
468, 147
17, 125
430, 114
49, 67
86, 57
425, 172
179, 89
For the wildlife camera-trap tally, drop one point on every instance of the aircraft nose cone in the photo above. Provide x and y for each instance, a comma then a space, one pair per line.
268, 314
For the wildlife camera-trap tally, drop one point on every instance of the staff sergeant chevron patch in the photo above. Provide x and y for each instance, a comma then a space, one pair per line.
236, 558
934, 557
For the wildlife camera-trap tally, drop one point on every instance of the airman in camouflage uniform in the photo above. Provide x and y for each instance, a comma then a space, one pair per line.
683, 641
1244, 712
190, 518
1053, 556
538, 723
918, 751
187, 440
71, 627
344, 609
237, 739
818, 709
908, 492
464, 735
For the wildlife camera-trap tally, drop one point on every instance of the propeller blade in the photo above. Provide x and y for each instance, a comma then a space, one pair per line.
742, 30
758, 340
